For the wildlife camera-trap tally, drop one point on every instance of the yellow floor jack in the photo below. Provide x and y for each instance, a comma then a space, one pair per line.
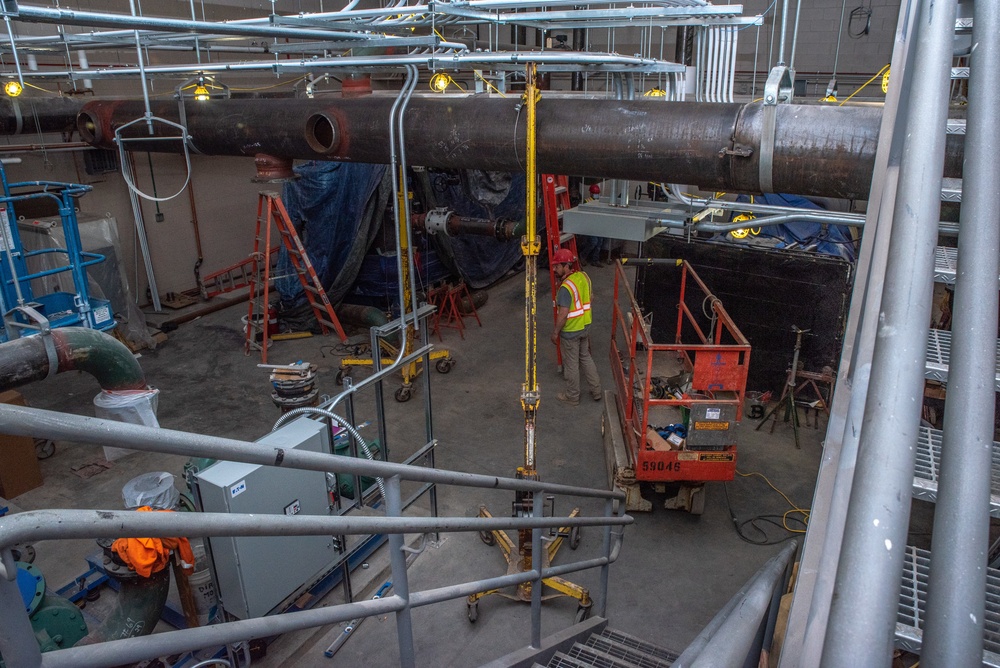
519, 556
442, 359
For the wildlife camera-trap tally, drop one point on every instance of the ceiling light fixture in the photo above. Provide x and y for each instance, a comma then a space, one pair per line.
440, 82
655, 92
13, 88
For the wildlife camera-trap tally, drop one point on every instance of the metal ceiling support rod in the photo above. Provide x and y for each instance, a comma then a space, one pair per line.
866, 593
784, 29
795, 34
34, 14
593, 63
953, 634
13, 50
142, 78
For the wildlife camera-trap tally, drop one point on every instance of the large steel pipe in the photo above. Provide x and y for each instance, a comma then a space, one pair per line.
818, 150
34, 116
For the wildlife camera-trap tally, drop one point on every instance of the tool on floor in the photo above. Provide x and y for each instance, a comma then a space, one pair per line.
519, 555
354, 624
555, 200
294, 385
270, 209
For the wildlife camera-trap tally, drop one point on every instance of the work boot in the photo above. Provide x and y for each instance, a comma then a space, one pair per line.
564, 398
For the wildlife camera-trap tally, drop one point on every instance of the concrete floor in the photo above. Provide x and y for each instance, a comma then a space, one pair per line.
675, 570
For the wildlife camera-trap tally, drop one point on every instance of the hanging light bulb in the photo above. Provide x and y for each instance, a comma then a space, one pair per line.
440, 82
13, 88
655, 92
201, 92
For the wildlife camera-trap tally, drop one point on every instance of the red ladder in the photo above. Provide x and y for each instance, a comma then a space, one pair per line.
270, 209
555, 200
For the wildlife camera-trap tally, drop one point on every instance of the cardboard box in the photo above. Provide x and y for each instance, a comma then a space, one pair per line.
19, 470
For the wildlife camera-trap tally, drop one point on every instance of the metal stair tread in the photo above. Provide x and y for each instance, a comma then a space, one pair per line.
938, 357
951, 190
913, 604
946, 261
637, 643
631, 655
925, 480
561, 660
956, 126
596, 658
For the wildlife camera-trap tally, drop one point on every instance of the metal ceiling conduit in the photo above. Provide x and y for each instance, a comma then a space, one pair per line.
818, 150
34, 358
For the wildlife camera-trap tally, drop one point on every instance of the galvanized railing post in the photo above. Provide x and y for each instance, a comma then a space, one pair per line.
400, 584
17, 640
602, 606
537, 562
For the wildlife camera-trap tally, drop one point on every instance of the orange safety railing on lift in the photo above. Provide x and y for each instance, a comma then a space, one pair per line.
708, 347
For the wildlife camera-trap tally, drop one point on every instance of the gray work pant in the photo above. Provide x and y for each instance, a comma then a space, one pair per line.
576, 356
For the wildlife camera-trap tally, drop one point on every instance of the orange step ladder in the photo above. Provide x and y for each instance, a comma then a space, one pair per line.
270, 209
555, 200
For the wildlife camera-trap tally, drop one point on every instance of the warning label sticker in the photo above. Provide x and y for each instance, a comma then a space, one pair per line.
711, 426
716, 457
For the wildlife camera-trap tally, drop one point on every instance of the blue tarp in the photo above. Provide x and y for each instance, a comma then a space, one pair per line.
820, 237
336, 208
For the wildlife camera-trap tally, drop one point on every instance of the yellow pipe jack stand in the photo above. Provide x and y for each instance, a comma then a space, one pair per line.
519, 557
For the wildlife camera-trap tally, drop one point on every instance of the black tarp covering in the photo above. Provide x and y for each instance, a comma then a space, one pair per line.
336, 208
766, 292
480, 260
819, 237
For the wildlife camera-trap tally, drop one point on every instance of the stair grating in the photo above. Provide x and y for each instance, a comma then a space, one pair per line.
913, 604
925, 482
951, 190
632, 656
641, 645
945, 264
591, 657
560, 660
939, 357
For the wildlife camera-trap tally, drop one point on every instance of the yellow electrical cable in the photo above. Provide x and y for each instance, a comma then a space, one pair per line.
277, 85
877, 75
794, 509
480, 75
44, 90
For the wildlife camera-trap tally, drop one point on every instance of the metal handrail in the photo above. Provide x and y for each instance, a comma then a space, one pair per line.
733, 637
18, 644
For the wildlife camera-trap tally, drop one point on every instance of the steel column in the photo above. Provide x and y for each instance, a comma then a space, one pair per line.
953, 632
866, 594
397, 559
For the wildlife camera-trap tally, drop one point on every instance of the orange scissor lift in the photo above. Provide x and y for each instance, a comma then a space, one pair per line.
677, 404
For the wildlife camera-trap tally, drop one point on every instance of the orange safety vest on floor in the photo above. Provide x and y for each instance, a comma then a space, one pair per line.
151, 555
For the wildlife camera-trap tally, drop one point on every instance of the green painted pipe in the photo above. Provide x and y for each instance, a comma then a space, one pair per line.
104, 357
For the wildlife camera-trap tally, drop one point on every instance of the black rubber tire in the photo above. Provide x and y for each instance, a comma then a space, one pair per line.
574, 537
583, 612
339, 380
444, 365
488, 538
403, 394
44, 448
473, 612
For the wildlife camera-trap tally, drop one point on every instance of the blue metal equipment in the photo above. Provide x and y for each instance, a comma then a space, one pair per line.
25, 313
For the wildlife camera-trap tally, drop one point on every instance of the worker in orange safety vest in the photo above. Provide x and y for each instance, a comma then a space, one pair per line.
573, 318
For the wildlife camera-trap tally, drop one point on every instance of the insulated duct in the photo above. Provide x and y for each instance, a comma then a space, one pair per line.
30, 358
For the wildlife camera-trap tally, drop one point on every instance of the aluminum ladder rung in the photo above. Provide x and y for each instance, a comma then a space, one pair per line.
960, 73
951, 190
564, 237
925, 480
939, 357
913, 604
963, 24
956, 126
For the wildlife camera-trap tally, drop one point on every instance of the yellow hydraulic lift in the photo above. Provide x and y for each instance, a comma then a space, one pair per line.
442, 358
519, 556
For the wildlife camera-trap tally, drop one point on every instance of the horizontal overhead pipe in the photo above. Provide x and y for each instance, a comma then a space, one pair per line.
28, 359
818, 150
28, 115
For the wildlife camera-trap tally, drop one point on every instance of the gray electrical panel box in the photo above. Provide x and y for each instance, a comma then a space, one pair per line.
255, 574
